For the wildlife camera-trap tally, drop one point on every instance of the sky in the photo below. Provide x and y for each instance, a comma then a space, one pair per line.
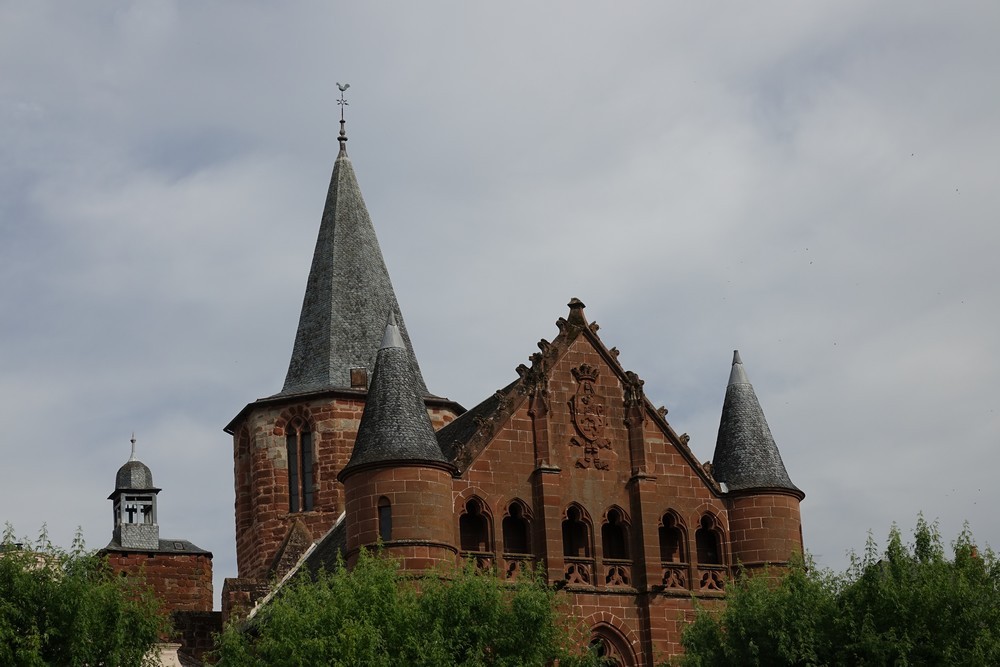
815, 184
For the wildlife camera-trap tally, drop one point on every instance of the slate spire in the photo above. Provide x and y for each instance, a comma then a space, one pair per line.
395, 426
347, 294
746, 456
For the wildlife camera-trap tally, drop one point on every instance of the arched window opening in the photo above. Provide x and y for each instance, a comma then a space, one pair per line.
614, 536
672, 548
474, 527
708, 541
301, 485
384, 519
516, 530
610, 648
576, 534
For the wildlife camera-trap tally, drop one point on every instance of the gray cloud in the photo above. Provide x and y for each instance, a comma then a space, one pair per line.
812, 184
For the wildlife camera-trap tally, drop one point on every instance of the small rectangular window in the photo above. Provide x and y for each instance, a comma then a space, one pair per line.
384, 520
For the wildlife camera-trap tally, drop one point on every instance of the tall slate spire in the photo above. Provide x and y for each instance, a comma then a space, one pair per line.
347, 295
395, 426
745, 454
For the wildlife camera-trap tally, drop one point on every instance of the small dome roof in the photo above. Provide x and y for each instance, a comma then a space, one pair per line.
134, 476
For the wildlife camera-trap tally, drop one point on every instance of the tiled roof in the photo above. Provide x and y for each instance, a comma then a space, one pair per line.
348, 294
166, 546
746, 456
134, 476
395, 425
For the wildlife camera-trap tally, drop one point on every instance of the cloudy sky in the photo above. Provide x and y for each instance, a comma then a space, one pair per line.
815, 184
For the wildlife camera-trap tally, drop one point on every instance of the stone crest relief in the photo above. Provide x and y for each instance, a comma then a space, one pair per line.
590, 419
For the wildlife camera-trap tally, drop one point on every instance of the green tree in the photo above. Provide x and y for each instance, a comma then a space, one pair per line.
907, 605
68, 608
374, 615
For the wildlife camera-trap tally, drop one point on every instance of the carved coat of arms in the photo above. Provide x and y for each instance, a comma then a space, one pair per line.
590, 419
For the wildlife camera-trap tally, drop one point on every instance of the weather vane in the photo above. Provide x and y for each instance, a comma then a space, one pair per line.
342, 102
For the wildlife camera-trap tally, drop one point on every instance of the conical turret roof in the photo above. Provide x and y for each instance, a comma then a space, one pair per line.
746, 456
395, 426
347, 295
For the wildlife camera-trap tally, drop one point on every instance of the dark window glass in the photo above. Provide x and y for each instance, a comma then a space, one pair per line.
671, 541
473, 528
307, 471
576, 537
384, 520
292, 446
708, 543
516, 531
614, 536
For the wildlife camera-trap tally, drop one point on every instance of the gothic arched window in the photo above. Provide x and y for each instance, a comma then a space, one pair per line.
614, 535
672, 543
516, 530
474, 527
576, 534
708, 539
299, 447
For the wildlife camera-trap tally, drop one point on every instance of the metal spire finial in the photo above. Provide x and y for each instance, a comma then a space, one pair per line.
132, 458
342, 103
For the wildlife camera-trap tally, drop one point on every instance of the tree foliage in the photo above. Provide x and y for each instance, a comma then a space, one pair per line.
911, 604
68, 608
374, 615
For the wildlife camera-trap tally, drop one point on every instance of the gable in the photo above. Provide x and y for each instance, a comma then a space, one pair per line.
571, 410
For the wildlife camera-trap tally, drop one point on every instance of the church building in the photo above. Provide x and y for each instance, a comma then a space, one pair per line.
569, 467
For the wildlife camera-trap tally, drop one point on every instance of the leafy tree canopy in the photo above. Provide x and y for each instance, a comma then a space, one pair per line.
911, 604
68, 608
374, 615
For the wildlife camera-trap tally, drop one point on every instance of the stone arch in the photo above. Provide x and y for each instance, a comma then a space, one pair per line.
578, 532
673, 538
475, 525
516, 527
710, 540
616, 642
615, 534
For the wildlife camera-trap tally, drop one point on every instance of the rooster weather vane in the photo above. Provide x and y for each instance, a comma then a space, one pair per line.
342, 102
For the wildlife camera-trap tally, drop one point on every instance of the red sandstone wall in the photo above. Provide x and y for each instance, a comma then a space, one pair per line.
261, 473
422, 520
182, 581
765, 529
648, 624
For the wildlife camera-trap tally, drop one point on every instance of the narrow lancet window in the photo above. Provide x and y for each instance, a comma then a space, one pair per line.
384, 519
301, 483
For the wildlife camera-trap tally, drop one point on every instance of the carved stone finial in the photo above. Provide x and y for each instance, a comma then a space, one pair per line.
594, 327
685, 439
662, 411
614, 352
576, 316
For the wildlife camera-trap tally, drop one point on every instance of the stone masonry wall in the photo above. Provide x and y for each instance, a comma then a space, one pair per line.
263, 519
182, 581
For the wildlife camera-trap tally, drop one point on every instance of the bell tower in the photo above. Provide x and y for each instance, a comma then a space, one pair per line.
134, 502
